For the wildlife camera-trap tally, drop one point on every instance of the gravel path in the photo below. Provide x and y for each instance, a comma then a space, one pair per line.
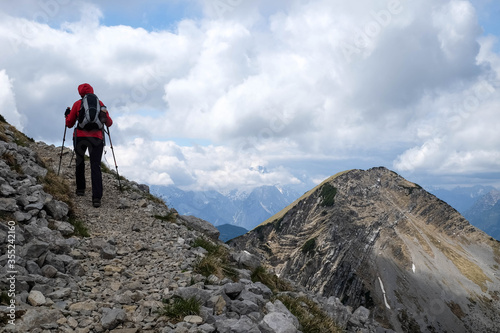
130, 261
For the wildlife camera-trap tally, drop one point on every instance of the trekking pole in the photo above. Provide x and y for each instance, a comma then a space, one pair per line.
60, 157
114, 158
71, 160
74, 149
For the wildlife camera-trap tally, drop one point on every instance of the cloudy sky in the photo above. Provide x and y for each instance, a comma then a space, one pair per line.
223, 94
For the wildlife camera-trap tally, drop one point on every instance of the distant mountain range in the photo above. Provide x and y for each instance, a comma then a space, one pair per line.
485, 214
478, 204
461, 198
243, 209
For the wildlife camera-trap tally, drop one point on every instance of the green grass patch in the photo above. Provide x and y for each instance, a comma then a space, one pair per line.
208, 245
17, 137
270, 280
104, 168
3, 137
309, 246
57, 187
4, 298
80, 228
211, 265
6, 216
328, 193
410, 189
157, 200
169, 217
11, 161
262, 230
22, 140
178, 308
215, 262
311, 317
114, 173
277, 224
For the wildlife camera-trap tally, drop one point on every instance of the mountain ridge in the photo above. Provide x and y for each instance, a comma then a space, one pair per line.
280, 214
374, 239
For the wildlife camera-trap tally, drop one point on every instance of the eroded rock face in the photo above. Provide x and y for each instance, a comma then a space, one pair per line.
374, 239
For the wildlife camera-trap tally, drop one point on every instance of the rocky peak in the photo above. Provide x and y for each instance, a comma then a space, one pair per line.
373, 239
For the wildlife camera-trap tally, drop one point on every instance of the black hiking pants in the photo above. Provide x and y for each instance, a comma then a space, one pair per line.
95, 147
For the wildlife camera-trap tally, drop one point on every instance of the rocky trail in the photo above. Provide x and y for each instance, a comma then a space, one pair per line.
131, 261
138, 254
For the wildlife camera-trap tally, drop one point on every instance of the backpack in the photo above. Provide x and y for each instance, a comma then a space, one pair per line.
89, 115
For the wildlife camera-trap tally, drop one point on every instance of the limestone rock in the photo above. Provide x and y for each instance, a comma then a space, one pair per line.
233, 290
191, 292
49, 271
64, 228
112, 318
33, 267
85, 306
36, 298
34, 170
124, 204
360, 316
60, 293
36, 318
8, 205
242, 325
34, 249
246, 259
7, 190
244, 307
193, 320
57, 209
108, 251
200, 225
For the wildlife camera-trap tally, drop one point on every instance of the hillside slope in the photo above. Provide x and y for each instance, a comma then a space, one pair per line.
372, 238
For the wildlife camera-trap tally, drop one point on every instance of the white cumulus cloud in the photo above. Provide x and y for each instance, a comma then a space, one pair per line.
8, 107
296, 86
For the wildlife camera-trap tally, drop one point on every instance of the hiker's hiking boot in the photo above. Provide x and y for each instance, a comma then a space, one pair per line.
96, 202
80, 193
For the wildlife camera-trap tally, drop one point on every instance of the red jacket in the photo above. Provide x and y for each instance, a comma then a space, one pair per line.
84, 89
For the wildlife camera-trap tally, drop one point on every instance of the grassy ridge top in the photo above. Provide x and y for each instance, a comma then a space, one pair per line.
282, 213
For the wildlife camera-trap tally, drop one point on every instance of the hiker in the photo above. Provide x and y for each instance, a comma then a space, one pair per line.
89, 135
